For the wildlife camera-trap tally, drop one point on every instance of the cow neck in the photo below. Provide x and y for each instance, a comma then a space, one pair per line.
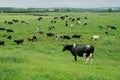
71, 49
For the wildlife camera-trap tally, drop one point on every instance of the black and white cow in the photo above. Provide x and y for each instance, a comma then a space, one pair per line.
80, 50
19, 41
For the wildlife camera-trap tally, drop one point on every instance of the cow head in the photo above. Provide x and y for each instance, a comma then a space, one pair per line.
66, 47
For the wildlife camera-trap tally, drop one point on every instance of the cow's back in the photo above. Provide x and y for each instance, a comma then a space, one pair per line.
80, 49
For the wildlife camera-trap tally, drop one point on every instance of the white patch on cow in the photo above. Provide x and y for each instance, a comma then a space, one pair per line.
84, 55
74, 45
90, 57
88, 46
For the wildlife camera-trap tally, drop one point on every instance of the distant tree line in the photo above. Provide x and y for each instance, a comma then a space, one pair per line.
26, 10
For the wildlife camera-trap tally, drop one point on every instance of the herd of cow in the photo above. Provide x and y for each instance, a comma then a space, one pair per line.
76, 49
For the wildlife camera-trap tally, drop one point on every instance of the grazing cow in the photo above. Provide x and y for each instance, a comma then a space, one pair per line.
80, 50
14, 20
59, 37
106, 33
111, 27
85, 24
5, 22
9, 30
73, 19
62, 17
66, 37
50, 34
76, 36
40, 18
85, 18
9, 37
100, 27
78, 22
19, 41
38, 31
66, 24
10, 22
96, 37
51, 27
1, 28
55, 17
33, 38
2, 42
22, 21
78, 18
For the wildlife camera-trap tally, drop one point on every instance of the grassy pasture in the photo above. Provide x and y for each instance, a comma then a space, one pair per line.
44, 59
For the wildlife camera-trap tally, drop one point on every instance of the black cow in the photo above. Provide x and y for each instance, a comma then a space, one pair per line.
2, 42
40, 18
19, 41
10, 30
106, 33
66, 37
100, 27
9, 37
5, 22
10, 22
76, 36
1, 28
14, 20
50, 34
78, 18
62, 17
80, 50
85, 24
85, 18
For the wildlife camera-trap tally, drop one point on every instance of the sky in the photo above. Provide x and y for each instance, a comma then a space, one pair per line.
59, 3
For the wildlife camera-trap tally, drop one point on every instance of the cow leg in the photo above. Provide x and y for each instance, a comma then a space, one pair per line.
87, 60
75, 58
90, 57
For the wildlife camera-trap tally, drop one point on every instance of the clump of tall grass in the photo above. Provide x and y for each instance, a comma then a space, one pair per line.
12, 59
9, 73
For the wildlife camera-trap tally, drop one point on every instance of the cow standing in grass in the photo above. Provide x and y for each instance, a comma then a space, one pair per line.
2, 42
80, 50
19, 41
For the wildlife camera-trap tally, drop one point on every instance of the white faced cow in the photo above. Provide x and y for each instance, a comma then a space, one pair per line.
80, 50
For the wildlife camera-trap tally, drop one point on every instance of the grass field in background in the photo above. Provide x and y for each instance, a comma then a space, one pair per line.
44, 58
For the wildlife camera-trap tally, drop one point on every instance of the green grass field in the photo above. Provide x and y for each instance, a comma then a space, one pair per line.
44, 58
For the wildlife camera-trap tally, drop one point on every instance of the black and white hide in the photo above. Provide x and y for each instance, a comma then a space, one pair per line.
80, 50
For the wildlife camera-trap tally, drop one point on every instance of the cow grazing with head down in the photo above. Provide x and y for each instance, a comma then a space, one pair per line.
76, 36
33, 38
95, 37
50, 34
80, 50
2, 42
19, 41
9, 30
9, 37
